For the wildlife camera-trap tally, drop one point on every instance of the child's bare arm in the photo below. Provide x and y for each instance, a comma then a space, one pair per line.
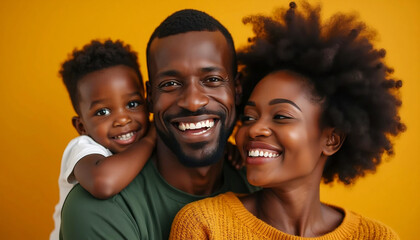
104, 177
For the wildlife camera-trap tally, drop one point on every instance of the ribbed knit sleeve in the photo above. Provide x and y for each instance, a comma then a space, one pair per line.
224, 217
188, 224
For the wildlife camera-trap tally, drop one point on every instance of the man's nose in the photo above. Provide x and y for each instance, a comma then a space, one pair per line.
193, 98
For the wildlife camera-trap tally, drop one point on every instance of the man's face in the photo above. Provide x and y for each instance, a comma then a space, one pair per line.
192, 94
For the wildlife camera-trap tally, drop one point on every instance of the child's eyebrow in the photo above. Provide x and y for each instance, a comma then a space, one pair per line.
93, 103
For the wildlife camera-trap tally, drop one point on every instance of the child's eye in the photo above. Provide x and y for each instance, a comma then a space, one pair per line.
133, 104
102, 112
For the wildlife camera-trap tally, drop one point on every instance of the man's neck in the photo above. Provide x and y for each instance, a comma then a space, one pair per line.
193, 180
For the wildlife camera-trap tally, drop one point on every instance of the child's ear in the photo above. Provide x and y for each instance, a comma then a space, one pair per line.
149, 97
78, 125
238, 88
334, 138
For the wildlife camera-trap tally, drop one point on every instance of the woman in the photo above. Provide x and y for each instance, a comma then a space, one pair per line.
321, 106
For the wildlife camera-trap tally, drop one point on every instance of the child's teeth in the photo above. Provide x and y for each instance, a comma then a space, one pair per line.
126, 136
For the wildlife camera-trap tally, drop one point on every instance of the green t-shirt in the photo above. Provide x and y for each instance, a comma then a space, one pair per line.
145, 209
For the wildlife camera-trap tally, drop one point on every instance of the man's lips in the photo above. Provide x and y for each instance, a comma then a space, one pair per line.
195, 123
205, 124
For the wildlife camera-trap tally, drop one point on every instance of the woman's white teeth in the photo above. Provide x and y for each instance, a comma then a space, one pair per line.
261, 153
198, 125
125, 136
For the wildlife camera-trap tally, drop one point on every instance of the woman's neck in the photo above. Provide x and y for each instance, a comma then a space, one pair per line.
296, 211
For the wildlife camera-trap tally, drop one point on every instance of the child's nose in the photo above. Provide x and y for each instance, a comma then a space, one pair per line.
122, 121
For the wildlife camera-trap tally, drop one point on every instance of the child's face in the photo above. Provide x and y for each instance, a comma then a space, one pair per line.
112, 108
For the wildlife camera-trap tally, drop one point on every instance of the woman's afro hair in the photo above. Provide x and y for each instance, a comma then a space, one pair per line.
359, 97
95, 56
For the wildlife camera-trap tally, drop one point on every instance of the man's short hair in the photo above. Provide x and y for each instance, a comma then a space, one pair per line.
190, 20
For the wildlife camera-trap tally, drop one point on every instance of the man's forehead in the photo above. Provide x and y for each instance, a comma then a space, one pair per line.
188, 40
189, 50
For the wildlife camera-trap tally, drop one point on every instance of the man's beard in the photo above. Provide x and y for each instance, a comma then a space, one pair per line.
207, 156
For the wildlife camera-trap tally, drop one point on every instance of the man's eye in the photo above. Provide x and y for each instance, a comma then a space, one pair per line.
102, 112
133, 104
169, 85
213, 81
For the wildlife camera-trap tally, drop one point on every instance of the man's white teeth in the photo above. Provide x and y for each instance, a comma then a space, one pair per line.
198, 125
261, 153
125, 136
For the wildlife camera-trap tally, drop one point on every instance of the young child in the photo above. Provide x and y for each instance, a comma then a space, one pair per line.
106, 90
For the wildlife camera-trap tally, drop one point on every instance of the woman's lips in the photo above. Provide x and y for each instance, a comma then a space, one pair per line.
260, 152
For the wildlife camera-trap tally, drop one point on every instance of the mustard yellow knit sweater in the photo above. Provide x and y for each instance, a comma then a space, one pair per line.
224, 217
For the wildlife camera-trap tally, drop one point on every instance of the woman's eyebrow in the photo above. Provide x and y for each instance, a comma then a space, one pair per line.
250, 103
282, 100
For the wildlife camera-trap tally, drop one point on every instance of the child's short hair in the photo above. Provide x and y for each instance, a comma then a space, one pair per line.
95, 56
347, 73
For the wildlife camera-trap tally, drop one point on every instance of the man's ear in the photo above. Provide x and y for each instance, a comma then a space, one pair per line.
78, 125
334, 139
149, 96
238, 88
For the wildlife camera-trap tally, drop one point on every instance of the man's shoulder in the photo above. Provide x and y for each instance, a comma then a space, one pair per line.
237, 181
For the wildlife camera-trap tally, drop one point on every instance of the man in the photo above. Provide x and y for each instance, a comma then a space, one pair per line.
191, 91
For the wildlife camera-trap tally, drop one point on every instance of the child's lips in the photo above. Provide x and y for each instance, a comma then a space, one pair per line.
125, 138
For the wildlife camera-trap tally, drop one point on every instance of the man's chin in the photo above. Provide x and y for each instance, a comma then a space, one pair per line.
202, 160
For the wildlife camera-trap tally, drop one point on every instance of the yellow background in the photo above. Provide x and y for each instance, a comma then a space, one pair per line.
36, 36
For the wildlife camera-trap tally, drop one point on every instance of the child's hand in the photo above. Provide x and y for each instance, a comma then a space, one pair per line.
233, 156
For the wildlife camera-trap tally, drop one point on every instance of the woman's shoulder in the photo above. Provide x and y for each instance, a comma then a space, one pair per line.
375, 229
356, 226
210, 203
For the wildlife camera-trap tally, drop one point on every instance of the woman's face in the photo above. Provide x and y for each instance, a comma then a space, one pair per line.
280, 137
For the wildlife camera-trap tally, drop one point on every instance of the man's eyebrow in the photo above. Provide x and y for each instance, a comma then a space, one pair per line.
211, 69
282, 100
168, 73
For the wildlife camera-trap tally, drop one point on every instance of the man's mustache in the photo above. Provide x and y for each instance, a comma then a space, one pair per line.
202, 111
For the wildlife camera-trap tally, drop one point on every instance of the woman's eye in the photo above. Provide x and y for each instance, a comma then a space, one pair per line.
280, 117
102, 112
246, 119
133, 104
